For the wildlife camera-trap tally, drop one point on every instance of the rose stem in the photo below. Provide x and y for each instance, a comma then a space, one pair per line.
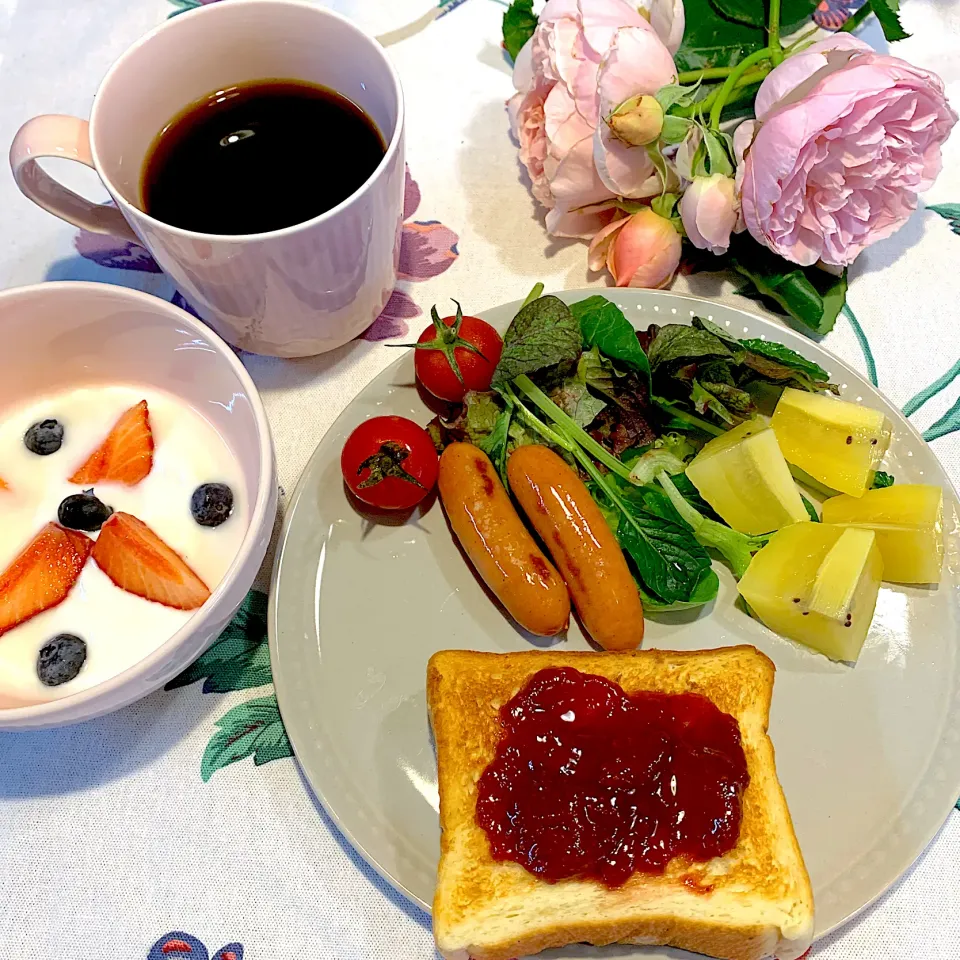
710, 73
754, 76
773, 34
738, 71
854, 21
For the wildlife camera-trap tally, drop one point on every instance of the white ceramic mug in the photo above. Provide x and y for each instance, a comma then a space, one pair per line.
292, 292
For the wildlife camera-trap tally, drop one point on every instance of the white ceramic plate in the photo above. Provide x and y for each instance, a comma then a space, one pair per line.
869, 756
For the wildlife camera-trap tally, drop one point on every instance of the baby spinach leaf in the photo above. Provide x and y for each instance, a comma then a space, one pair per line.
702, 323
787, 358
668, 558
603, 325
677, 343
543, 334
881, 480
703, 593
811, 509
519, 22
737, 548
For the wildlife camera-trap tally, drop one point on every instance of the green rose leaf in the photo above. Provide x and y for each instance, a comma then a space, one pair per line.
888, 13
239, 659
753, 13
808, 294
519, 22
252, 729
712, 40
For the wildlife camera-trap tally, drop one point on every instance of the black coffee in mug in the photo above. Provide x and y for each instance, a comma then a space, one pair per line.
259, 156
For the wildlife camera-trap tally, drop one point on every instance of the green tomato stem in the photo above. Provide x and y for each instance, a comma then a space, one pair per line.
773, 34
728, 85
801, 40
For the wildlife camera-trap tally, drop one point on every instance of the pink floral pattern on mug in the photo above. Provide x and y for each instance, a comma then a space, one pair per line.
427, 249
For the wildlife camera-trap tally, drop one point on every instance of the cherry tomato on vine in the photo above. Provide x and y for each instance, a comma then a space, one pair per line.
389, 463
456, 354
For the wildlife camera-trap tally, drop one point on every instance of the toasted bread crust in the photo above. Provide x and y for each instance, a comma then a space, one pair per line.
754, 902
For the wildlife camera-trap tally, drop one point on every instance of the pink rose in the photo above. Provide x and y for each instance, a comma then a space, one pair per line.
642, 250
528, 121
845, 139
667, 19
638, 63
709, 210
571, 40
557, 107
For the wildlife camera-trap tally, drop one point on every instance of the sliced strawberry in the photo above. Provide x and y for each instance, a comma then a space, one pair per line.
126, 456
138, 561
43, 575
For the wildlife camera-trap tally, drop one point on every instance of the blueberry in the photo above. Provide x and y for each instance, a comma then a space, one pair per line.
44, 438
83, 511
60, 659
211, 504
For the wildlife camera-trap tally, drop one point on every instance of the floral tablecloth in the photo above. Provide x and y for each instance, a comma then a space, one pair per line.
180, 827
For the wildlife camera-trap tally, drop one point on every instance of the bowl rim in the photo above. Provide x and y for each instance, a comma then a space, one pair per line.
46, 713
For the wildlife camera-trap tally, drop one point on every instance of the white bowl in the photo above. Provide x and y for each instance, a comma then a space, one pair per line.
61, 335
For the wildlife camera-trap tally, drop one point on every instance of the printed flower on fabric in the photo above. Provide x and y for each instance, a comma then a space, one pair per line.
181, 6
113, 252
833, 14
177, 945
427, 249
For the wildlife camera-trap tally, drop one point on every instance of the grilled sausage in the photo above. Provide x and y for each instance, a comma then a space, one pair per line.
498, 544
582, 545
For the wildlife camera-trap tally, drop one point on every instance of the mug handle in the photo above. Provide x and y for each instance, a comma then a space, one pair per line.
54, 135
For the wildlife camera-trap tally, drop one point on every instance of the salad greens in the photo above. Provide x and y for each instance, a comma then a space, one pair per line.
629, 410
705, 368
604, 327
543, 334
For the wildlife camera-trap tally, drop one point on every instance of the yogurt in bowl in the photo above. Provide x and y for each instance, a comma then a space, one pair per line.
188, 402
117, 627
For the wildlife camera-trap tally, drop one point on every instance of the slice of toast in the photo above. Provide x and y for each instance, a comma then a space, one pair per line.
753, 902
